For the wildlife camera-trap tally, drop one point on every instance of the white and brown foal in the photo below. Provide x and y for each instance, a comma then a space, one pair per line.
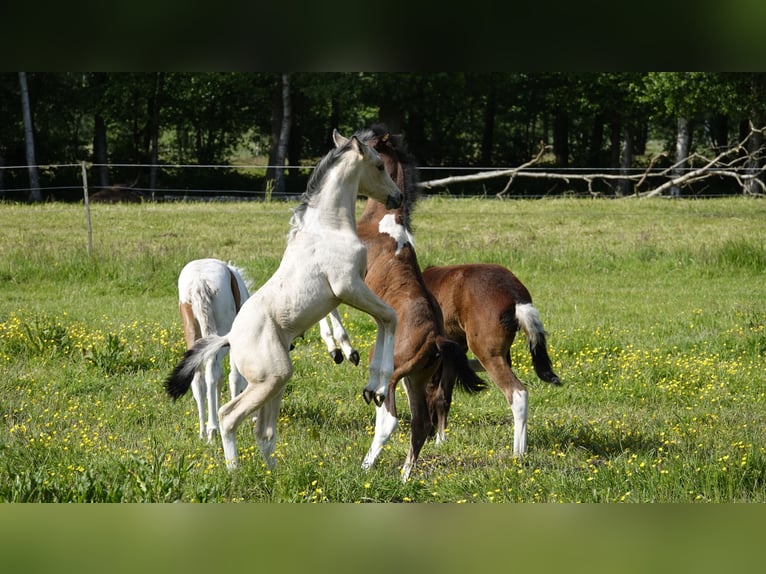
210, 294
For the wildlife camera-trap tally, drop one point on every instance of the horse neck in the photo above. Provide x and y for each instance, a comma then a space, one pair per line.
374, 211
335, 205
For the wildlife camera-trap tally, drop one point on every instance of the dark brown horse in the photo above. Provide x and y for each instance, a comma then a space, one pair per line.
393, 274
484, 306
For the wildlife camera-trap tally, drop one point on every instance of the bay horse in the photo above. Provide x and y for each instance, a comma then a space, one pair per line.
210, 294
323, 266
421, 347
484, 305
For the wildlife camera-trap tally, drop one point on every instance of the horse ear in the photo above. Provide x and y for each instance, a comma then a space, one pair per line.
338, 139
358, 146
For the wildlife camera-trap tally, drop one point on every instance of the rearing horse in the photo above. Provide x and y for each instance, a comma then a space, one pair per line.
323, 265
394, 275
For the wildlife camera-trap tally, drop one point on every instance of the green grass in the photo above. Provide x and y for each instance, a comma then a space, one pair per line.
654, 310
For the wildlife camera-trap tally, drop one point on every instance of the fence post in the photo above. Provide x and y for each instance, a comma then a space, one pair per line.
87, 208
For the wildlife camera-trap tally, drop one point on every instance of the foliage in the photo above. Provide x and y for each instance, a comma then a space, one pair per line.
449, 119
654, 316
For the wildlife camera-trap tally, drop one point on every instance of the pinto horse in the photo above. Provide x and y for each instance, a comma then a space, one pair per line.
484, 305
210, 293
323, 266
421, 347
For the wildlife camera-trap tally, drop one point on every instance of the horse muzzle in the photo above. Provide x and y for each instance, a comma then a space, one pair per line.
394, 201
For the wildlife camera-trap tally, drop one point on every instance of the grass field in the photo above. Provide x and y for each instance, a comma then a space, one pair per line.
655, 314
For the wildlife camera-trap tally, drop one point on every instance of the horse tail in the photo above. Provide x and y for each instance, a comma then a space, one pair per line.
455, 367
179, 381
529, 321
202, 307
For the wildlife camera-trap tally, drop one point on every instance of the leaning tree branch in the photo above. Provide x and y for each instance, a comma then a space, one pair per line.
736, 162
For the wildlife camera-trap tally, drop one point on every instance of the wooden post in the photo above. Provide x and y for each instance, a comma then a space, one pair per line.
87, 208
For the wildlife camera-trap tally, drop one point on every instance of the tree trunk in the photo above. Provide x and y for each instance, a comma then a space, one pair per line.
683, 144
561, 139
719, 132
615, 131
626, 163
100, 155
757, 119
34, 181
753, 164
487, 137
284, 135
596, 141
154, 130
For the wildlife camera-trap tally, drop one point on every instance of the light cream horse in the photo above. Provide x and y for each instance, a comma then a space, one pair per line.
323, 265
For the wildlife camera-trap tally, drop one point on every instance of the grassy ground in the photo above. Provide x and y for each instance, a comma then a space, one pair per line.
654, 309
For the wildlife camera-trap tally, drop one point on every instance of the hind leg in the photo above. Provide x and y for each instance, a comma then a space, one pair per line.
340, 335
420, 425
497, 361
200, 397
325, 332
213, 371
231, 415
439, 399
237, 382
266, 428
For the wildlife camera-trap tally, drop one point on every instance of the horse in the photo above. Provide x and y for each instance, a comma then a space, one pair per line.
421, 347
210, 293
323, 265
336, 338
484, 305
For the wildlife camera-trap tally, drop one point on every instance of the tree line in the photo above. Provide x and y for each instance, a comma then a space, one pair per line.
135, 129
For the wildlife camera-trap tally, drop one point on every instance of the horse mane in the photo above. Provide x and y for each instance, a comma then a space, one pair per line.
313, 187
392, 148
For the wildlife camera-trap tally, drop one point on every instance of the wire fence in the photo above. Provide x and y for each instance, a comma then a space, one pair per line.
247, 182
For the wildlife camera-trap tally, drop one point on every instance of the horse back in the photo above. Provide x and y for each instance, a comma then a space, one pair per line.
480, 294
213, 291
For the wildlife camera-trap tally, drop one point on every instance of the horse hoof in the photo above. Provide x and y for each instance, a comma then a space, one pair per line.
354, 358
367, 396
379, 399
337, 356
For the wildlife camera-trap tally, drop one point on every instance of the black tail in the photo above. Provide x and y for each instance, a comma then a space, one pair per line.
455, 367
529, 320
179, 381
542, 361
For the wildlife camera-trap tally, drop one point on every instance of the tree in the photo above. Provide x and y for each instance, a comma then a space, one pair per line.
29, 136
686, 97
284, 136
100, 145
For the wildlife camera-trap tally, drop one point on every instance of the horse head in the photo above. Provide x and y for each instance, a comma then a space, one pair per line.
375, 182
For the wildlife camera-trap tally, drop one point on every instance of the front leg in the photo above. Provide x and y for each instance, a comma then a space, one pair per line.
361, 297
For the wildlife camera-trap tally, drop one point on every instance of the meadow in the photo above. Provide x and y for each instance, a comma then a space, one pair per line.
656, 323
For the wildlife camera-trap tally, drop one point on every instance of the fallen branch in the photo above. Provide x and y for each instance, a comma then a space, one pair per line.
444, 182
740, 168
